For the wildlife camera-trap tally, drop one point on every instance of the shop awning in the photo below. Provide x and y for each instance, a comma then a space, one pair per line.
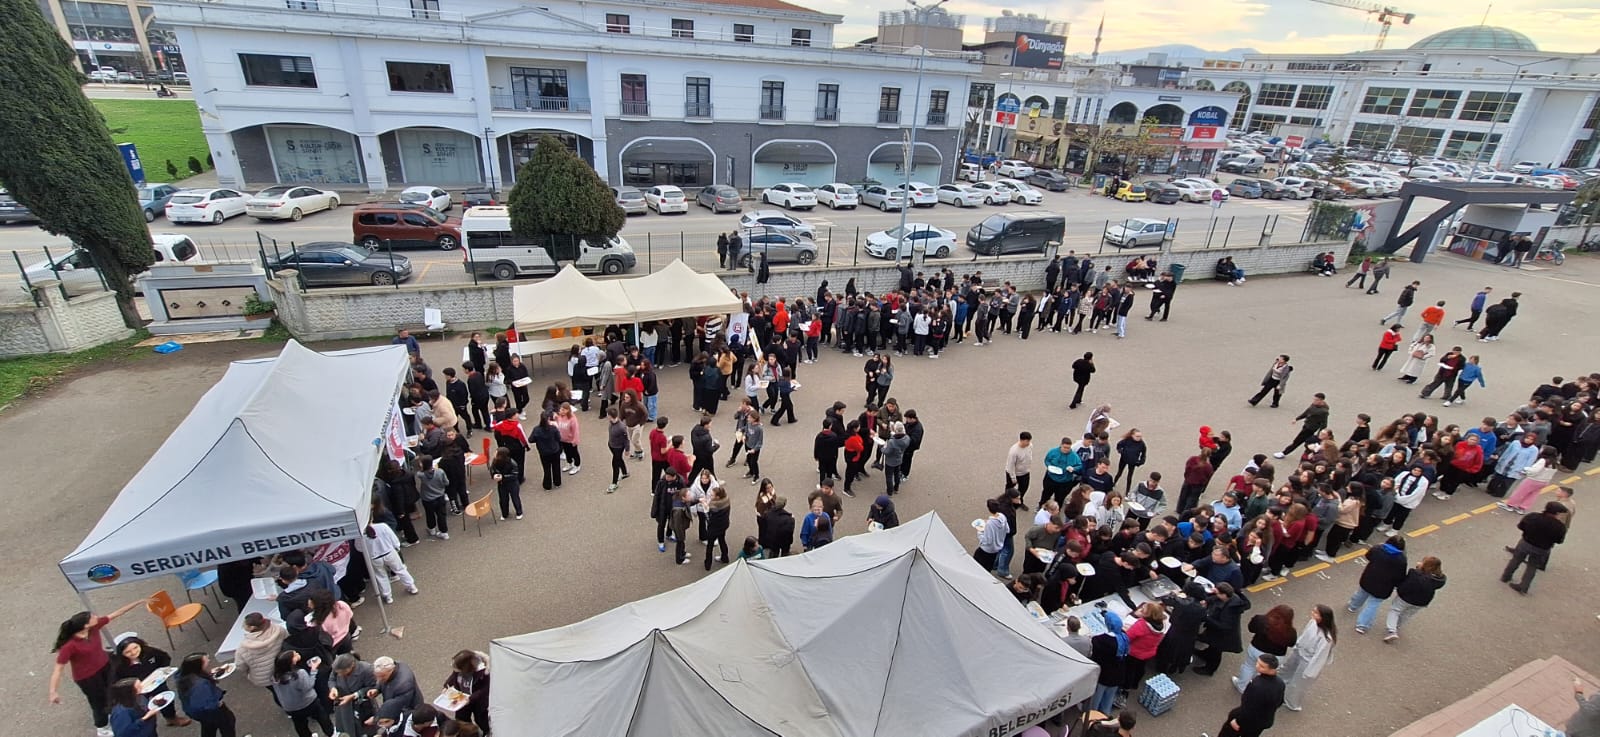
795, 152
1026, 136
664, 149
895, 153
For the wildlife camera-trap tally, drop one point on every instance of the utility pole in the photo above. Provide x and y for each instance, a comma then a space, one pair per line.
921, 17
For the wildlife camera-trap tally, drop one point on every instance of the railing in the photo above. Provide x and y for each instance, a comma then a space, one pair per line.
539, 103
827, 115
772, 112
697, 110
640, 108
888, 117
937, 117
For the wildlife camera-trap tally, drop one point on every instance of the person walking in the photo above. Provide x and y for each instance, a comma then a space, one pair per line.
1416, 359
1082, 370
1275, 380
1414, 594
1540, 534
1408, 295
825, 451
1497, 317
617, 443
1123, 304
1131, 454
1259, 703
1470, 373
1432, 317
381, 547
754, 441
1445, 373
1161, 299
1385, 569
294, 688
1379, 273
1387, 344
1313, 419
1478, 302
1535, 476
1359, 279
1311, 653
718, 513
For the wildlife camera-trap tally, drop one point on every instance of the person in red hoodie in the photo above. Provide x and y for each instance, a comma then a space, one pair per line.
780, 319
658, 450
813, 338
1431, 318
1464, 465
855, 456
1387, 345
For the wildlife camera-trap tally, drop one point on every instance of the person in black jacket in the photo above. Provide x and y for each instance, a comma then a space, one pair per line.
135, 658
1185, 614
1082, 369
666, 489
1540, 533
477, 357
1110, 652
1220, 632
778, 536
717, 520
1497, 316
1258, 706
1113, 574
825, 449
1386, 568
546, 440
1414, 594
1161, 300
704, 448
478, 395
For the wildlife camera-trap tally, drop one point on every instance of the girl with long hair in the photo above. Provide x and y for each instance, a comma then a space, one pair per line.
566, 422
1414, 594
1273, 633
1131, 453
77, 645
334, 617
294, 688
1312, 651
128, 719
201, 698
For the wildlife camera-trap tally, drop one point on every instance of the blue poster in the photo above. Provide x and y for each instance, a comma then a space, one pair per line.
130, 158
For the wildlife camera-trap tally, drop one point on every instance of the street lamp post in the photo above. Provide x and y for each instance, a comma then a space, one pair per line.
920, 15
489, 163
1495, 121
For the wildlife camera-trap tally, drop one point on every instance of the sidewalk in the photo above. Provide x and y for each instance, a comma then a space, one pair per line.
1542, 687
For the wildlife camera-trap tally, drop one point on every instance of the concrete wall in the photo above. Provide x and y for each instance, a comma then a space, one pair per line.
60, 325
334, 314
1287, 259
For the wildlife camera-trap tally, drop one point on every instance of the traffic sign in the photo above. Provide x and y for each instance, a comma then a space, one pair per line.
1294, 141
1009, 105
1004, 118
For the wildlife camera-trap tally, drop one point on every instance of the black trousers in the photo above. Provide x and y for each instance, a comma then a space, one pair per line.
1189, 496
1020, 482
1448, 382
1077, 397
619, 468
217, 723
1359, 279
1337, 538
436, 515
97, 689
1124, 464
1306, 435
302, 719
1525, 554
551, 463
1397, 517
1056, 490
1470, 320
480, 413
905, 463
1382, 358
752, 459
854, 470
1268, 386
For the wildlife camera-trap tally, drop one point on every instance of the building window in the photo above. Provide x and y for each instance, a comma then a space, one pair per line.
1299, 120
635, 95
1419, 141
939, 107
1487, 106
1260, 122
1434, 104
1276, 95
682, 28
772, 100
1470, 144
1384, 100
1314, 97
800, 37
697, 97
426, 9
744, 33
1077, 110
827, 103
618, 23
1370, 135
1593, 121
268, 70
889, 105
405, 76
1059, 112
980, 95
534, 88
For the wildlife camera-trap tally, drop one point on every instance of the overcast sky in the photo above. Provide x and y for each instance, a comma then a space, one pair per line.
1268, 25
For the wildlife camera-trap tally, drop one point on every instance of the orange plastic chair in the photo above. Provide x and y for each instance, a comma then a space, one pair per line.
480, 509
171, 615
481, 460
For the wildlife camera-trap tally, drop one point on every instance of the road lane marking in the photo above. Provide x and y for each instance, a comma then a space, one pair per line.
1264, 585
1485, 508
1309, 571
1420, 531
1592, 472
1573, 479
1352, 555
1457, 518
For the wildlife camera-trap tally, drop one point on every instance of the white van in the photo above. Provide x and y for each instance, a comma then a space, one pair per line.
491, 249
78, 275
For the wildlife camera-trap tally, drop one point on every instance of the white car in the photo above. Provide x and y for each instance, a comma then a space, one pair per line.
76, 271
838, 196
1363, 186
971, 173
433, 197
1021, 192
665, 198
1205, 187
1547, 182
1524, 167
773, 220
1297, 188
936, 242
1389, 184
1136, 232
883, 198
290, 202
1013, 168
961, 195
790, 195
205, 205
1427, 174
922, 194
994, 193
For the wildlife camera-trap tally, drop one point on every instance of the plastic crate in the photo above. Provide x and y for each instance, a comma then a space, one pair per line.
1159, 695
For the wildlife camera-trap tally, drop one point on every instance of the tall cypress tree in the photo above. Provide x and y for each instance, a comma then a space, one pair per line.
58, 157
557, 194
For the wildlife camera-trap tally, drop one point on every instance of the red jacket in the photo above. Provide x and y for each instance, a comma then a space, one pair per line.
1197, 471
853, 446
1389, 341
1468, 457
658, 446
679, 462
1433, 315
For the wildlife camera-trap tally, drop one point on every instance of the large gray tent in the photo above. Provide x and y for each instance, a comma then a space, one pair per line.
889, 633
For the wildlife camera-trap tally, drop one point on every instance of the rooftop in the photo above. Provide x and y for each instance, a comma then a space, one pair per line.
1477, 37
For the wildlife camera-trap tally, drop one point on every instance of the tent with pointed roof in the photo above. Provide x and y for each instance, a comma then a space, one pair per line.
569, 299
678, 291
897, 632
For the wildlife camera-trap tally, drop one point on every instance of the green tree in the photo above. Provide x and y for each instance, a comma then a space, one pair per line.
557, 194
59, 159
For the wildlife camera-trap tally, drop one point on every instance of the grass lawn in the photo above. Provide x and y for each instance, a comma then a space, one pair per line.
19, 376
162, 129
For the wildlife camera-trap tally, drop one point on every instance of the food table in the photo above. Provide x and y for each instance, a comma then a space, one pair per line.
1089, 612
265, 607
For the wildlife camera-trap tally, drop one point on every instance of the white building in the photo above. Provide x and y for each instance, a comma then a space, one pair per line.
1472, 93
686, 92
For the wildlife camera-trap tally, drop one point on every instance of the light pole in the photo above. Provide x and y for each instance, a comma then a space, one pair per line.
1494, 122
920, 15
490, 163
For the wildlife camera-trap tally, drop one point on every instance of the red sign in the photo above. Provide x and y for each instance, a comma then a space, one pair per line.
1295, 141
1005, 118
1203, 132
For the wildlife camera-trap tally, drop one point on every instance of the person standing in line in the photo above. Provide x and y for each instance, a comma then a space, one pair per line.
1315, 419
1275, 381
1131, 454
1410, 486
478, 396
914, 432
546, 439
992, 538
1258, 705
894, 451
1082, 371
1478, 302
718, 512
1387, 346
1379, 272
1470, 373
1432, 318
433, 491
1052, 272
1540, 534
825, 450
1359, 279
1408, 296
1311, 653
1416, 360
1497, 317
1019, 463
1062, 465
201, 698
1025, 316
1449, 366
855, 456
1123, 304
1535, 476
1414, 594
1385, 570
1466, 460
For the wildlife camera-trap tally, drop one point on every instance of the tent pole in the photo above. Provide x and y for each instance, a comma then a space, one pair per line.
382, 609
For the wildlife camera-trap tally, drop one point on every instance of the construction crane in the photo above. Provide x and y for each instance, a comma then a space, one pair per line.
1387, 14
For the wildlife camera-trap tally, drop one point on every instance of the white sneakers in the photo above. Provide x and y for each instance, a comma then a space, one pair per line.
1277, 455
573, 471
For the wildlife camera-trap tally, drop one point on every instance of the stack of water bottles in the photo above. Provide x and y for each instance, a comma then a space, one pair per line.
1158, 695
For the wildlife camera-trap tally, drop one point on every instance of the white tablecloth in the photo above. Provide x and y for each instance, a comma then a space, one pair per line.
1512, 721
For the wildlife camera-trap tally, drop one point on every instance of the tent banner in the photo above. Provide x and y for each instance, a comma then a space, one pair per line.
739, 328
336, 555
204, 549
395, 436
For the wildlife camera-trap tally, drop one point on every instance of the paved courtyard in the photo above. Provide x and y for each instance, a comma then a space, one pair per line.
581, 551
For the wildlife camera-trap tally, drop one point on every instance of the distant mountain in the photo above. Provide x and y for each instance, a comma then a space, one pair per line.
1174, 52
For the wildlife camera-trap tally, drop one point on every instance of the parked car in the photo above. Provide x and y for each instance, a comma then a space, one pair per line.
1305, 169
838, 196
922, 194
1297, 188
720, 198
331, 264
778, 222
1016, 232
883, 198
290, 202
1548, 182
12, 211
180, 77
153, 199
75, 268
404, 225
1021, 192
1130, 192
971, 173
1190, 192
779, 248
1242, 165
103, 74
994, 193
630, 199
1359, 186
1013, 168
1161, 193
665, 198
1206, 186
433, 197
1050, 180
1271, 190
480, 197
1525, 167
1249, 189
205, 205
961, 195
492, 249
790, 196
1136, 232
936, 242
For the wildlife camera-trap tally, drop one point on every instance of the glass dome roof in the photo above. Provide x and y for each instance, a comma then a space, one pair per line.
1477, 37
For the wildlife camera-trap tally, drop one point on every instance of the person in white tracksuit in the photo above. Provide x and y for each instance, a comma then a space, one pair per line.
382, 547
1311, 652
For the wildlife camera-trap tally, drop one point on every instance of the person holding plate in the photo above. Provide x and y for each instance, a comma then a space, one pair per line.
295, 689
134, 658
127, 718
469, 675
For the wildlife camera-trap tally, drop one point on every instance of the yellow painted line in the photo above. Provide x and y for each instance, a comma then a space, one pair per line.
1486, 508
1263, 586
1456, 519
423, 274
1573, 479
1310, 570
1420, 531
1352, 555
1592, 472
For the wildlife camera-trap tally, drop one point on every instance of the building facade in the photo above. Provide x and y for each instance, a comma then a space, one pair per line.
122, 35
742, 92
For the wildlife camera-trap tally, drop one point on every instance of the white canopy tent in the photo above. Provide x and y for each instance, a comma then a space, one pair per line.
678, 291
890, 633
279, 455
569, 299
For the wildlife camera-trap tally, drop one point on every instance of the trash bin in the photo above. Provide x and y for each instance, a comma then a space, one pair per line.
1177, 271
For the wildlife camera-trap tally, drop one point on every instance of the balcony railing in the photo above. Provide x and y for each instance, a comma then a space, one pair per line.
540, 103
827, 115
697, 110
772, 112
888, 117
640, 108
937, 117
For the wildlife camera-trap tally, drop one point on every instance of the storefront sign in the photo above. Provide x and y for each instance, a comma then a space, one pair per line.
1005, 118
1209, 115
1203, 132
1166, 135
127, 48
797, 168
438, 156
1295, 141
1039, 51
1169, 98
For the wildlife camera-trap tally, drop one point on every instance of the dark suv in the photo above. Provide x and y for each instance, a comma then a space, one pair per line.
404, 225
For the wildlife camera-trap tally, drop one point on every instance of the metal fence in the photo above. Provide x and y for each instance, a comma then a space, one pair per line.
73, 270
